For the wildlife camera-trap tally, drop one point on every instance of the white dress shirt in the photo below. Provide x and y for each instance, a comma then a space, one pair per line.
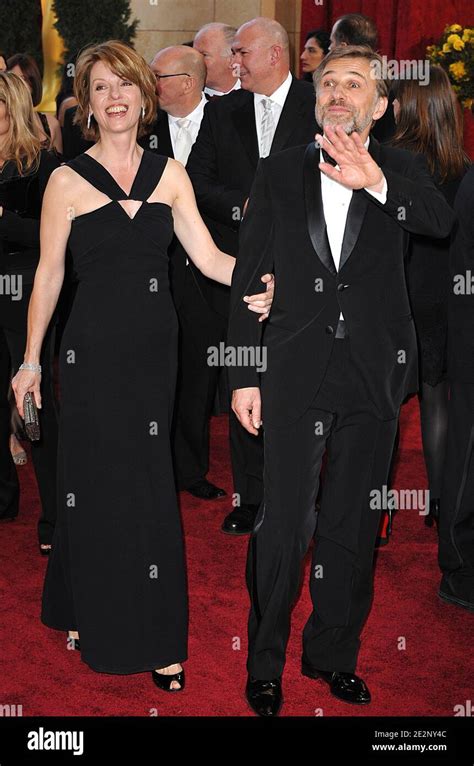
195, 118
336, 200
278, 97
214, 92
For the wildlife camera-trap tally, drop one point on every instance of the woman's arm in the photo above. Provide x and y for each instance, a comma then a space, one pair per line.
54, 234
22, 230
199, 245
192, 232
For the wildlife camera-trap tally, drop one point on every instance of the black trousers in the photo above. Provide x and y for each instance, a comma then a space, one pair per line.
359, 445
13, 333
456, 527
200, 328
246, 453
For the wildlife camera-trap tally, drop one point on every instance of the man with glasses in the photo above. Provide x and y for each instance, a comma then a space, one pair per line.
180, 74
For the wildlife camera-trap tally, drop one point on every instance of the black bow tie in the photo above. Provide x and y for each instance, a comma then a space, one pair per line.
327, 158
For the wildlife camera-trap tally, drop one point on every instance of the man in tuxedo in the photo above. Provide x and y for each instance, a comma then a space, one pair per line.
272, 111
456, 522
357, 29
338, 358
214, 42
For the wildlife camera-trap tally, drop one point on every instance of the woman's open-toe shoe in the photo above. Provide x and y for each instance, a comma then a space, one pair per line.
164, 682
45, 549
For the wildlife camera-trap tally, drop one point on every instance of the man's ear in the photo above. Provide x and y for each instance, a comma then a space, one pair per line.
276, 53
381, 108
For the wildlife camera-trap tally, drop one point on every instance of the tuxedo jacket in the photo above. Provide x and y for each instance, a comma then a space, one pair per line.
224, 159
158, 140
284, 231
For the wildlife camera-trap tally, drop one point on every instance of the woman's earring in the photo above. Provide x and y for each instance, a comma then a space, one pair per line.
143, 111
89, 120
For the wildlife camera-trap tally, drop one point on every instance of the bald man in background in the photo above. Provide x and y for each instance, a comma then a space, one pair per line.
180, 74
271, 112
214, 42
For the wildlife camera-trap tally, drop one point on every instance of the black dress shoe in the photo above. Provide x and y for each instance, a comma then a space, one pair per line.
433, 515
264, 697
241, 520
458, 591
345, 686
45, 551
204, 490
164, 682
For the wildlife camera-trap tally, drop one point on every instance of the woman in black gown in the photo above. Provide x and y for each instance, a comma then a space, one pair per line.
429, 122
24, 172
116, 575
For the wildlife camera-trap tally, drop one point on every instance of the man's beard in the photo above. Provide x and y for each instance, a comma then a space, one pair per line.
353, 122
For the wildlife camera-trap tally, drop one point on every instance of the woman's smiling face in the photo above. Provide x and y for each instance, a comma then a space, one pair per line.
115, 102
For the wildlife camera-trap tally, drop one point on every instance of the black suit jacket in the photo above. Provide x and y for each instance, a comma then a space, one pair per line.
284, 231
159, 141
74, 142
225, 156
461, 288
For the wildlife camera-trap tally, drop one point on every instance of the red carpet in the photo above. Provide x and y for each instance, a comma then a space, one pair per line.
430, 676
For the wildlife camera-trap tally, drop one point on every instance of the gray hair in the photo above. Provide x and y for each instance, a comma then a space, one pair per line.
227, 30
355, 52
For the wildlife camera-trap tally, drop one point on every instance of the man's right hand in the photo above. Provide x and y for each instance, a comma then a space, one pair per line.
247, 405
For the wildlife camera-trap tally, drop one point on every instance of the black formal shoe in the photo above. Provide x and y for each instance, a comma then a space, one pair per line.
75, 643
45, 551
164, 682
241, 520
345, 686
458, 591
204, 490
264, 697
433, 515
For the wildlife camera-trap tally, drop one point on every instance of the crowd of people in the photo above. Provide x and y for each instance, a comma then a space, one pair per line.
212, 197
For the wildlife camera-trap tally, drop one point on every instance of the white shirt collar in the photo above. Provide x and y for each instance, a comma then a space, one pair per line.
279, 95
214, 92
195, 116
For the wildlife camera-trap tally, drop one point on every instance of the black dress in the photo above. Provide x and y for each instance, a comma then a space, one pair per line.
21, 196
428, 287
116, 572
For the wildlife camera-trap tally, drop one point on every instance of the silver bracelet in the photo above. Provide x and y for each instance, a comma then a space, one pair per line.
30, 366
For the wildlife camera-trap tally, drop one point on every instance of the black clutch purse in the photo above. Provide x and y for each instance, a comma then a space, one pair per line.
30, 410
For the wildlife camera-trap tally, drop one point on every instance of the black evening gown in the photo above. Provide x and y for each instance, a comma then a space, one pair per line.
428, 287
116, 572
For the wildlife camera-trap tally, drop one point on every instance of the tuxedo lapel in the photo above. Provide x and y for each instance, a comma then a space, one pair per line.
290, 117
314, 208
356, 212
244, 122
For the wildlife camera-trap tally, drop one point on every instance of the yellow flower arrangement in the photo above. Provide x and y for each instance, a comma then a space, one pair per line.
458, 70
455, 53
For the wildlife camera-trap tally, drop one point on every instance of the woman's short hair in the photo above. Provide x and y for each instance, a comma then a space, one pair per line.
126, 63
